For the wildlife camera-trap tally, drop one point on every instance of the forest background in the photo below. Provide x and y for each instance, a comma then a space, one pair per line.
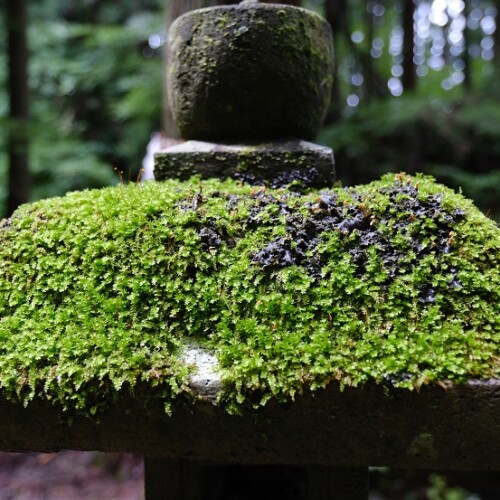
416, 89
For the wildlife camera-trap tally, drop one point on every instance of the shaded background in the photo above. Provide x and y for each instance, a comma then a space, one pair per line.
81, 96
416, 89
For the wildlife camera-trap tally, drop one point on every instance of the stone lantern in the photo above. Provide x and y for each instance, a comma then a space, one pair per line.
249, 85
349, 327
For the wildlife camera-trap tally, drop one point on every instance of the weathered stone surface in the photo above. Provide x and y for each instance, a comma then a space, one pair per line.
453, 427
276, 164
249, 71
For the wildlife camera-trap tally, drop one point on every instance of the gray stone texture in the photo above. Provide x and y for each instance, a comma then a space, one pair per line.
275, 164
249, 71
449, 427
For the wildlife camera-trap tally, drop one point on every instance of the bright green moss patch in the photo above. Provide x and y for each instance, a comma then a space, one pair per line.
396, 282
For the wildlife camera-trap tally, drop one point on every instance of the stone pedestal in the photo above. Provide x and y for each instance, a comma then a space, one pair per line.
275, 164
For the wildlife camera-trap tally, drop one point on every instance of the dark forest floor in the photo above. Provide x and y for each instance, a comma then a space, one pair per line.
72, 475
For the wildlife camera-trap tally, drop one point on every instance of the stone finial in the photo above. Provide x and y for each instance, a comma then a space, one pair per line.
249, 72
255, 80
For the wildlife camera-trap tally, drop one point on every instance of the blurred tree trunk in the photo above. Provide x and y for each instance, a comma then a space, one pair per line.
409, 78
19, 176
466, 55
496, 36
336, 13
175, 9
369, 84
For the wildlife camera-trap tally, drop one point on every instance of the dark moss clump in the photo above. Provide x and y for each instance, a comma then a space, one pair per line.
328, 214
396, 282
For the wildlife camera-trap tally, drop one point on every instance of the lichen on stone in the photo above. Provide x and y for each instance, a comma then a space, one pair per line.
396, 282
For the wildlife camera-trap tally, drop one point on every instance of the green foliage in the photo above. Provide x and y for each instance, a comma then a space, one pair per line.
95, 98
411, 484
482, 187
456, 141
439, 490
101, 88
101, 290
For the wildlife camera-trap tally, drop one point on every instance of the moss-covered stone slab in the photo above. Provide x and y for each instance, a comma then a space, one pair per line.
106, 293
249, 71
275, 164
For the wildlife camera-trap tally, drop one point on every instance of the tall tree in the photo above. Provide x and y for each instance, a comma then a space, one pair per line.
369, 84
409, 78
496, 35
336, 13
466, 55
19, 176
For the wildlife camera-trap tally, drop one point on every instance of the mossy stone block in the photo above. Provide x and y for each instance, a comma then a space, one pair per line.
169, 291
275, 164
249, 71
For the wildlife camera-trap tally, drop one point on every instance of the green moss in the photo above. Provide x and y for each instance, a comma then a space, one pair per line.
397, 282
423, 445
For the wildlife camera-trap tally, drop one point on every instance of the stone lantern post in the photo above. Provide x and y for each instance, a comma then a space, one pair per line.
249, 85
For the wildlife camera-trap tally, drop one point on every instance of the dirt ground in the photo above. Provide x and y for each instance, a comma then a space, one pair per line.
71, 475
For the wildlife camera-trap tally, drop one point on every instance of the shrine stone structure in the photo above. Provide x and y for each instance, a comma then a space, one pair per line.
249, 86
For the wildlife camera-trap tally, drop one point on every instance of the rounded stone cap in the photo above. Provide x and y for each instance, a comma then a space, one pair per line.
249, 71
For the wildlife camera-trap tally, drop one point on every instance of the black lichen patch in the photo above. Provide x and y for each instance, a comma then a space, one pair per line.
296, 178
424, 224
210, 236
403, 216
211, 231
